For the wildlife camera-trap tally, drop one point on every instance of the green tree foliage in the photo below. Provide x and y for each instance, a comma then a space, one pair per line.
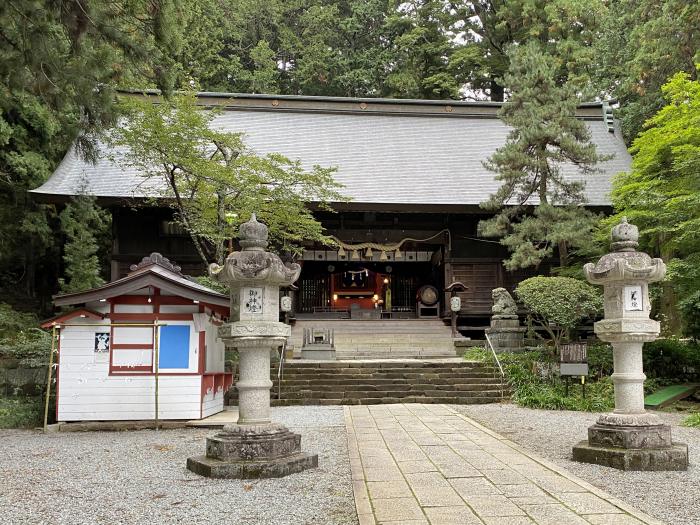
642, 44
83, 223
59, 64
309, 47
661, 195
21, 338
320, 47
559, 304
214, 182
423, 52
545, 135
566, 29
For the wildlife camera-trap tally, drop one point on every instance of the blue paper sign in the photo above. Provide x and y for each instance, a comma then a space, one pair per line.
174, 346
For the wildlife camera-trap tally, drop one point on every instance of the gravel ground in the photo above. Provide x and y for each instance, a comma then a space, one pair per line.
673, 497
140, 477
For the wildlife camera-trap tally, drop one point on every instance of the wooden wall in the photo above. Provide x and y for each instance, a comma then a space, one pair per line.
475, 261
87, 392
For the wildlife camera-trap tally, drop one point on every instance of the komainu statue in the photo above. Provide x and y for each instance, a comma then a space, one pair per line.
504, 306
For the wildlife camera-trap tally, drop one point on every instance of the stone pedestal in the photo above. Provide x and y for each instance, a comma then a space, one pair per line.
318, 352
627, 448
318, 344
506, 334
252, 451
629, 438
253, 447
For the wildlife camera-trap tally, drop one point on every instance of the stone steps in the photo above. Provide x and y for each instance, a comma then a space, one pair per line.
374, 382
384, 400
383, 339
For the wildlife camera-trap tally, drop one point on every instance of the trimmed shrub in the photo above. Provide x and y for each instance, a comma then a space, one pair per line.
559, 304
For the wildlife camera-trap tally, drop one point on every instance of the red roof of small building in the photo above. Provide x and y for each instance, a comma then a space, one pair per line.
155, 271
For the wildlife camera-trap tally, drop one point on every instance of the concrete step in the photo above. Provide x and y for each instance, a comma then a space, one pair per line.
386, 381
385, 400
369, 391
299, 383
412, 338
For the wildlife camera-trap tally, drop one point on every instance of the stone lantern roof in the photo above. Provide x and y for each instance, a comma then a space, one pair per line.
253, 263
624, 262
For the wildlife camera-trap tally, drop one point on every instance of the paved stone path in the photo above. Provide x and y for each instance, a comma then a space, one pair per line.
420, 464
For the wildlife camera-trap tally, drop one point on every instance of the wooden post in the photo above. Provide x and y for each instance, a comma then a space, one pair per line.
156, 352
48, 378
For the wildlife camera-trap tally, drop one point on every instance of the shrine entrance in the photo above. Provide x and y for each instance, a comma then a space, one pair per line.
363, 289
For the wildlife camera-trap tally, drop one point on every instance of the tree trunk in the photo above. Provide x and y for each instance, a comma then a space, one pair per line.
669, 314
220, 224
563, 254
30, 269
497, 91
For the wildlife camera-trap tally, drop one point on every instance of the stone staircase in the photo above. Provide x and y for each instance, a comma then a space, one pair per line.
356, 382
383, 339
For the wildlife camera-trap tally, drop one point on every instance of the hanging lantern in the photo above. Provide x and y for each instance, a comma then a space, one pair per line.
383, 257
355, 255
397, 254
368, 253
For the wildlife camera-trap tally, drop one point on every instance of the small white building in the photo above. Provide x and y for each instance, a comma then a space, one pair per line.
107, 367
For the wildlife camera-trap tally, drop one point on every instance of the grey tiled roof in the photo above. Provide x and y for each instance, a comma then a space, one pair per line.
393, 157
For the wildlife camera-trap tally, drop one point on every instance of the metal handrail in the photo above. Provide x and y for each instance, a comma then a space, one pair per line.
280, 370
498, 362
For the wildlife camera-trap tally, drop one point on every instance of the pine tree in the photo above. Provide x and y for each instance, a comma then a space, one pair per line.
567, 29
60, 62
545, 134
83, 223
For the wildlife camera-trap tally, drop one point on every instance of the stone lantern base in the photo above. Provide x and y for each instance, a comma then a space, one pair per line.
252, 452
643, 447
506, 334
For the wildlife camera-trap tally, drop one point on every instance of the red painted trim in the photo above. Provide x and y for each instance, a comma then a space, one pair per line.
149, 372
132, 346
80, 312
136, 318
156, 299
228, 381
131, 299
176, 300
145, 368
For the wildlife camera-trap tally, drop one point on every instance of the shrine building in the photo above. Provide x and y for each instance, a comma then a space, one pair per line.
413, 172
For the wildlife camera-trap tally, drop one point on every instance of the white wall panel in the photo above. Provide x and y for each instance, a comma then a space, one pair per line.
86, 391
132, 335
133, 308
122, 357
215, 350
213, 406
178, 309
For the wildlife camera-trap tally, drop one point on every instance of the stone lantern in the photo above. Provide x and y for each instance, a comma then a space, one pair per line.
254, 447
629, 438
